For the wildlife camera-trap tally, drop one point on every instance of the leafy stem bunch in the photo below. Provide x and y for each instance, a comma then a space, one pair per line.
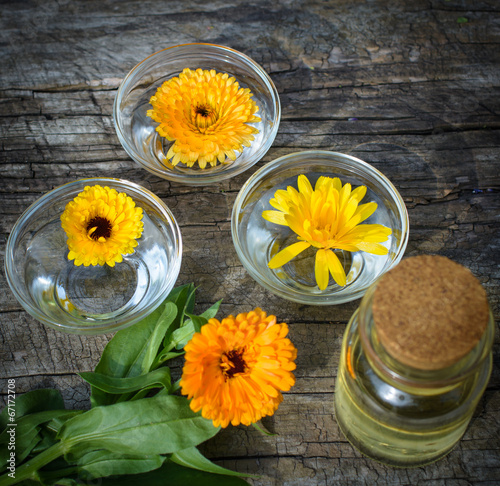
136, 428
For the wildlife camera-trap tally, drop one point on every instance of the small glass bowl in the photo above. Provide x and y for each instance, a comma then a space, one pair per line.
93, 299
137, 132
257, 240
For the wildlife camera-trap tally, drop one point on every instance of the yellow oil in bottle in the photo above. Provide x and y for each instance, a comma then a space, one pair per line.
400, 425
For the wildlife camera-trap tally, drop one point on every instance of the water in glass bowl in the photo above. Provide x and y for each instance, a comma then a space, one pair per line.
62, 290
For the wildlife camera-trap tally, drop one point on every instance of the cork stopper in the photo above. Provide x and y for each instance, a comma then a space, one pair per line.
429, 312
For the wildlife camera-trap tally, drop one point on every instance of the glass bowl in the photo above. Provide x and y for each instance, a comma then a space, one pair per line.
92, 299
256, 240
137, 132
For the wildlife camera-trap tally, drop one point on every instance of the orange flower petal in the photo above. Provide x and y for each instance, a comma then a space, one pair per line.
236, 368
206, 115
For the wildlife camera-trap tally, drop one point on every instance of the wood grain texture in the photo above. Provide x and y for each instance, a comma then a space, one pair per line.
403, 85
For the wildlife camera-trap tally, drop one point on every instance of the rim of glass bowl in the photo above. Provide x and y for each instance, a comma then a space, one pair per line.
317, 157
113, 324
225, 53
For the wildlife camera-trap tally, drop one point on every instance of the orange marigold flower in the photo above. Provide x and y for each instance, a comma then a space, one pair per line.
102, 225
236, 369
206, 113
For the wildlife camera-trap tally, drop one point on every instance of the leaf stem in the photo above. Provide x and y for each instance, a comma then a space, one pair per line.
29, 469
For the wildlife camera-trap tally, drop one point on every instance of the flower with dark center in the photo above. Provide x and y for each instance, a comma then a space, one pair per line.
99, 228
236, 368
206, 114
102, 225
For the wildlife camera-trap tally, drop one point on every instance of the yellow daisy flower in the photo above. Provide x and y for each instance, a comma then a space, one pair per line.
327, 217
236, 369
206, 114
101, 225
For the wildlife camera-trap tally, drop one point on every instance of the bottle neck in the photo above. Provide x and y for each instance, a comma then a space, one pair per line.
391, 369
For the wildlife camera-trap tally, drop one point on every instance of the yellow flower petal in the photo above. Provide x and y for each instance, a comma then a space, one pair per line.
368, 232
344, 195
374, 248
321, 270
304, 185
297, 223
336, 268
362, 213
327, 217
276, 217
358, 193
285, 255
101, 225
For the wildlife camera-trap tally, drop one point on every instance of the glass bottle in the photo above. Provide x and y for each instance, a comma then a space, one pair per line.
406, 401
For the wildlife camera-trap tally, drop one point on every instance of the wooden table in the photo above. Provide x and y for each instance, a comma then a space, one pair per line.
411, 87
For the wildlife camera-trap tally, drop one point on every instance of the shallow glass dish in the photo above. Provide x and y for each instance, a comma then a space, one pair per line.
137, 132
256, 240
93, 299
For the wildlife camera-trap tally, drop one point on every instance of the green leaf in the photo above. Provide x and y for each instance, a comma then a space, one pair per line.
31, 402
184, 300
124, 356
50, 429
109, 384
99, 464
183, 297
263, 430
171, 474
45, 440
58, 421
194, 459
159, 425
162, 328
175, 293
211, 312
462, 20
133, 351
29, 440
198, 322
176, 386
180, 337
188, 306
29, 482
26, 434
165, 356
184, 334
28, 446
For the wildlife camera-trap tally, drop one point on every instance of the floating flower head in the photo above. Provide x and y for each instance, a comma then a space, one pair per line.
327, 218
236, 369
207, 114
101, 225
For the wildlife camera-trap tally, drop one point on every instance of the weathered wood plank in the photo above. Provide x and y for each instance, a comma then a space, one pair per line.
410, 87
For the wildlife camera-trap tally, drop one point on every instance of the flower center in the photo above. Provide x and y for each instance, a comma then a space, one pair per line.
202, 110
204, 116
233, 363
98, 227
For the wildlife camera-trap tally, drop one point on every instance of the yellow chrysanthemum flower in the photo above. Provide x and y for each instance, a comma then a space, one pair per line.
327, 217
236, 369
102, 225
206, 113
